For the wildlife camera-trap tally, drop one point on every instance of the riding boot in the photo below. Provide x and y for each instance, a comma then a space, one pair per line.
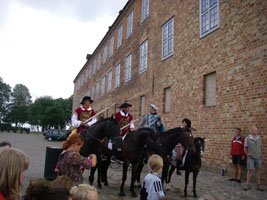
178, 165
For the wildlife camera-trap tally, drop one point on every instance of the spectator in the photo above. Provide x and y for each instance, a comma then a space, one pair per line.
238, 155
41, 191
71, 163
152, 186
83, 192
5, 144
13, 163
253, 152
62, 182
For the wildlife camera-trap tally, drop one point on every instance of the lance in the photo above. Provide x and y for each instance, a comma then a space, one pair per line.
130, 123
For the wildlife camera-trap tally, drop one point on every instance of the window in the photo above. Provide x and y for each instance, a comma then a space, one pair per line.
142, 105
93, 92
210, 89
128, 68
82, 80
86, 74
145, 9
109, 80
117, 75
90, 71
209, 16
129, 24
97, 90
167, 100
167, 39
88, 92
111, 46
105, 54
99, 61
143, 56
119, 37
103, 86
94, 67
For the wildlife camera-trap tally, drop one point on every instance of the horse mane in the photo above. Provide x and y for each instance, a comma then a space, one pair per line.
98, 122
171, 131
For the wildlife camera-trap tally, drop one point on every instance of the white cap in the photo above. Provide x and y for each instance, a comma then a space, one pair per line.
153, 107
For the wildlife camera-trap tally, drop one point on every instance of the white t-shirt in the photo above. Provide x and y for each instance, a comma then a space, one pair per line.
152, 187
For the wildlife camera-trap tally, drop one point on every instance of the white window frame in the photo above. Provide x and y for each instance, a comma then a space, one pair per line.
143, 56
111, 46
103, 86
97, 90
145, 10
117, 75
207, 12
169, 39
105, 54
93, 92
99, 61
128, 65
129, 24
94, 66
119, 41
109, 80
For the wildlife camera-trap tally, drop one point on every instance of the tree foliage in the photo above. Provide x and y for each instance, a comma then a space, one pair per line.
5, 92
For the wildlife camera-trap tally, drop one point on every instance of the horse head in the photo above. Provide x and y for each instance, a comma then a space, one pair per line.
200, 145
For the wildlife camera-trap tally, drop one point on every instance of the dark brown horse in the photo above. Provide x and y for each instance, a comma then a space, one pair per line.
192, 164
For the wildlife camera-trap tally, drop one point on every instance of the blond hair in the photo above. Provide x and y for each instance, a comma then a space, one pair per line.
83, 192
155, 163
13, 164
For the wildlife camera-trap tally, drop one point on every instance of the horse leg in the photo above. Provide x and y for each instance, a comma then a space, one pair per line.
186, 182
168, 180
92, 174
138, 176
105, 172
165, 172
195, 174
124, 177
99, 172
135, 168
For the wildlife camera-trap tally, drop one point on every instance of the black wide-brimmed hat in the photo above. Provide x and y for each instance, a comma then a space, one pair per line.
125, 105
87, 98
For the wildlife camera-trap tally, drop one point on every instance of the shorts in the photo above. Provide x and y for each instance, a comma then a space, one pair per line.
253, 163
237, 160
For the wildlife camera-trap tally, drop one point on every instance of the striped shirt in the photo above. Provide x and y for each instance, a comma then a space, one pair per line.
152, 188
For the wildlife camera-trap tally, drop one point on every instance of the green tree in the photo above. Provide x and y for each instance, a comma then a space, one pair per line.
20, 101
5, 92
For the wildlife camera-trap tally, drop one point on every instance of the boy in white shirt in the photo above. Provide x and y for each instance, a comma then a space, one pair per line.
152, 186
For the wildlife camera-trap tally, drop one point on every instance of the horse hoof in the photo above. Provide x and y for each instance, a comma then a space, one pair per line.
106, 184
168, 187
99, 186
195, 195
185, 195
133, 194
91, 183
122, 194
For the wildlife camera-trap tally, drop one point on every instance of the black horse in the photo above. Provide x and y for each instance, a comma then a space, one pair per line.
96, 135
166, 142
192, 164
136, 147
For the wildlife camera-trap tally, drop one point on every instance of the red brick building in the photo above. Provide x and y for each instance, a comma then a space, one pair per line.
202, 59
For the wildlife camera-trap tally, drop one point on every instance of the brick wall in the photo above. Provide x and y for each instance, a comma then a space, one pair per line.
236, 52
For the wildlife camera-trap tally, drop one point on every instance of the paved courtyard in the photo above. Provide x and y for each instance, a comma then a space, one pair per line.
210, 186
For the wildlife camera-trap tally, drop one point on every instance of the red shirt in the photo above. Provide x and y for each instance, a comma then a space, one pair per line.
83, 114
238, 146
124, 120
2, 196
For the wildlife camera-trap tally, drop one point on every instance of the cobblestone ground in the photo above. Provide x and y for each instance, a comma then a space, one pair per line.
210, 186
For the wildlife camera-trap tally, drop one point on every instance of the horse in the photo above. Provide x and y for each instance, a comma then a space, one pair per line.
136, 146
192, 164
165, 143
107, 129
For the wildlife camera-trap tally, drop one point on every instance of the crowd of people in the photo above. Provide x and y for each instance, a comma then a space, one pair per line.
70, 184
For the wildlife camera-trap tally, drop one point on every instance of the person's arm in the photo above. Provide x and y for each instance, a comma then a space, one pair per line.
131, 124
231, 151
86, 162
246, 147
74, 121
91, 122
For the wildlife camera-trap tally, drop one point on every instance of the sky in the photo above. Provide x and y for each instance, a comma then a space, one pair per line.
44, 43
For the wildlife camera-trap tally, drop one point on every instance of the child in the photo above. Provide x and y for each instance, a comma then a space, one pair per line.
83, 192
152, 186
62, 182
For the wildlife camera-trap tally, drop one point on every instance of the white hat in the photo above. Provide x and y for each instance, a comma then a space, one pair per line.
153, 107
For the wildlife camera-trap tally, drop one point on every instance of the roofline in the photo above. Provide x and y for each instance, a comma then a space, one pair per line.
110, 29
